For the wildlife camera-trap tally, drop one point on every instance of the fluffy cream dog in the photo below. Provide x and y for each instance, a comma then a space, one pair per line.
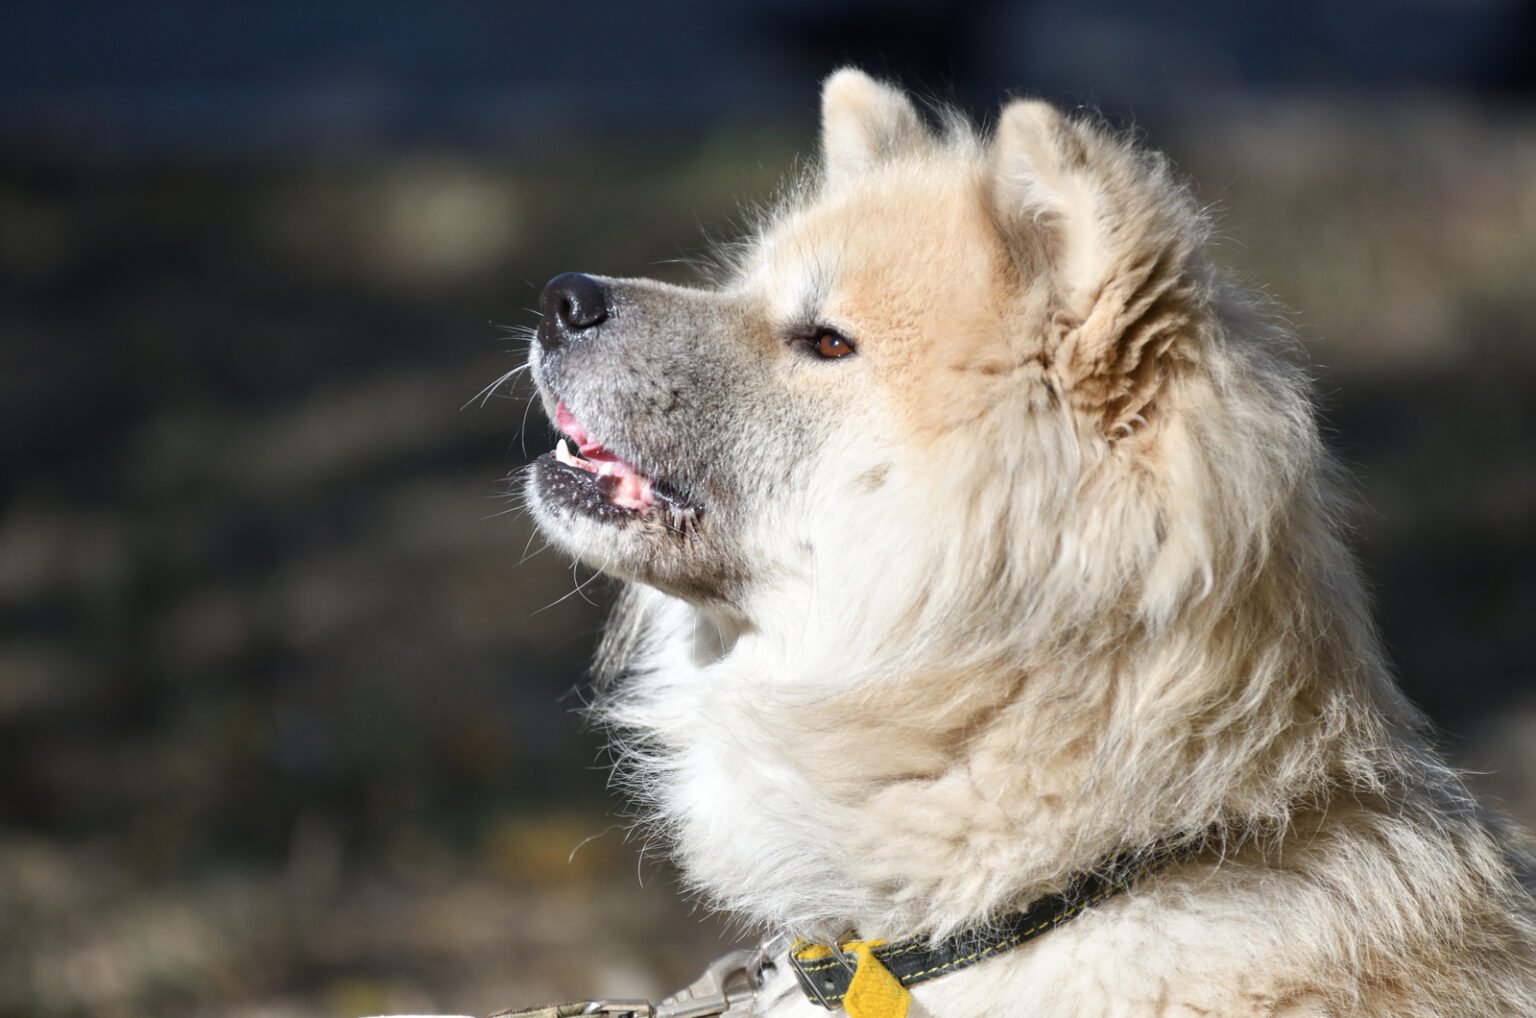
979, 534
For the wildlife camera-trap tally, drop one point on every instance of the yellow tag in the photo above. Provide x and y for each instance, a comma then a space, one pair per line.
874, 992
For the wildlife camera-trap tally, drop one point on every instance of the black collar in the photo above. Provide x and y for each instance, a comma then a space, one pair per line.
825, 970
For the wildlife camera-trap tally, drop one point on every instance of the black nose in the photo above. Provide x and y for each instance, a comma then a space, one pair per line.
571, 303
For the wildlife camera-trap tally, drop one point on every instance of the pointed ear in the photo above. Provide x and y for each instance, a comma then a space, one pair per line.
1117, 240
1043, 196
864, 121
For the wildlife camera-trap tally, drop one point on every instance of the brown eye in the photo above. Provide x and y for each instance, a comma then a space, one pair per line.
830, 345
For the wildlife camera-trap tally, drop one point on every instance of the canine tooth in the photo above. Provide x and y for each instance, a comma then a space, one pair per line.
563, 453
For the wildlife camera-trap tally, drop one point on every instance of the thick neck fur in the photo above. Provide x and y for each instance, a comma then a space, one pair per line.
825, 771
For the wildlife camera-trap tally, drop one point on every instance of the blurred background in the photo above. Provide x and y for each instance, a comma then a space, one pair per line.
288, 688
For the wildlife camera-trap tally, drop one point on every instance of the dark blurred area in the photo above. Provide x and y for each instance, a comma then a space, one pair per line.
288, 686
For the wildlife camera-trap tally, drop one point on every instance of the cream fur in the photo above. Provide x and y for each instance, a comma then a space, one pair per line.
1070, 580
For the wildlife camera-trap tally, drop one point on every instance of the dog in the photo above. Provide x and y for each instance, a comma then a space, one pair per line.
987, 616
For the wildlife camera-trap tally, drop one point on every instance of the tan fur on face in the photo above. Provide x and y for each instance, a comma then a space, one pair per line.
911, 268
1070, 581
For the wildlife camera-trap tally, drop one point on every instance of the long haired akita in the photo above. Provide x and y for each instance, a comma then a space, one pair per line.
990, 626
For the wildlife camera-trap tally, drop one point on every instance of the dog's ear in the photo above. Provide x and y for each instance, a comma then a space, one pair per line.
1045, 200
864, 121
1116, 240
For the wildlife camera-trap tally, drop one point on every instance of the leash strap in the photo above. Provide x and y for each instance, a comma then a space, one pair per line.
725, 989
834, 975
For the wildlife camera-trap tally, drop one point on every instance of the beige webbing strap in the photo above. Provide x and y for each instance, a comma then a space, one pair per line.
547, 1011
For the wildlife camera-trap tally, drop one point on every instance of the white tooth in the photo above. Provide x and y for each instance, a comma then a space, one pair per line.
605, 470
562, 453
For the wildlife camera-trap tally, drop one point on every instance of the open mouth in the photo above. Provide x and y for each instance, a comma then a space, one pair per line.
597, 479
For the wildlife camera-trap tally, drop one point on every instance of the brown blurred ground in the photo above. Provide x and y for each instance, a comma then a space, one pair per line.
286, 709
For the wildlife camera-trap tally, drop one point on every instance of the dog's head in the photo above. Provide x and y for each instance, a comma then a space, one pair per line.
951, 378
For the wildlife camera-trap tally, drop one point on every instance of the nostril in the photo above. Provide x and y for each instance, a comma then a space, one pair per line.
577, 300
